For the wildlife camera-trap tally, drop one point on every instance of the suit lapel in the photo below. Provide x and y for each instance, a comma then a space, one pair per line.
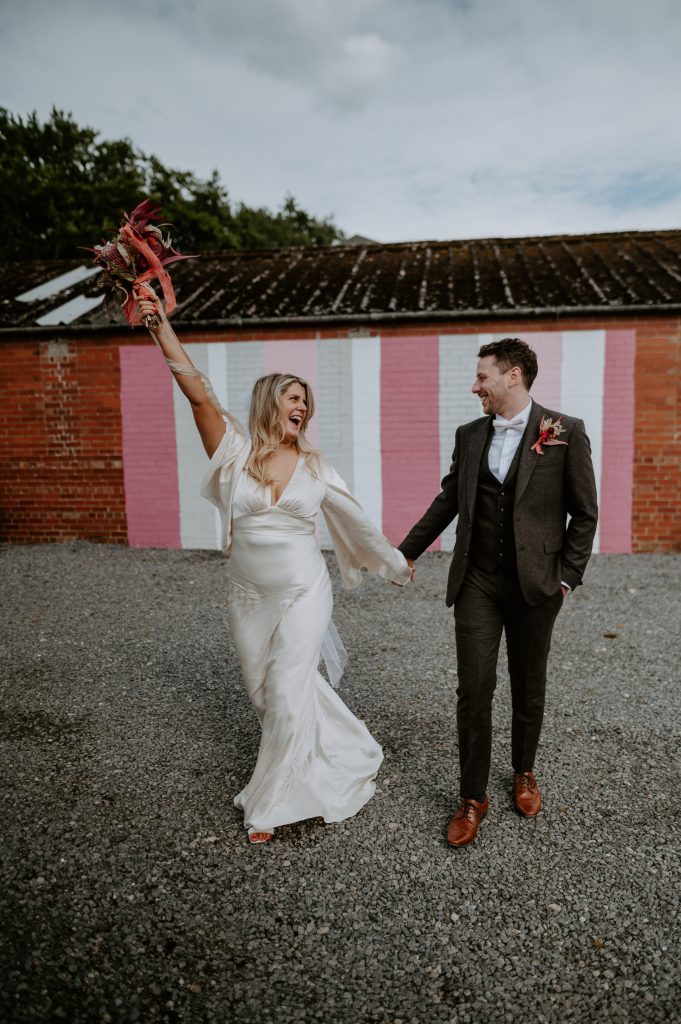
528, 458
476, 447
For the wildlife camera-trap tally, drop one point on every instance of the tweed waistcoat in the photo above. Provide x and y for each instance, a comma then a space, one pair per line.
492, 544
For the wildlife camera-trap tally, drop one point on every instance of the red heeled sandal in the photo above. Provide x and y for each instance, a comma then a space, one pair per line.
259, 837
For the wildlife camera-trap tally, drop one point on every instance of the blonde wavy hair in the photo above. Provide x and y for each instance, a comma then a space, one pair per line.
267, 429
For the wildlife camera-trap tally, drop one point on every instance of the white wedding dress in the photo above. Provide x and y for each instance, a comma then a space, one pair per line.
315, 757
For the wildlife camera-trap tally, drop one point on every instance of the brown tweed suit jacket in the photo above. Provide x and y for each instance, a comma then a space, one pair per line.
555, 512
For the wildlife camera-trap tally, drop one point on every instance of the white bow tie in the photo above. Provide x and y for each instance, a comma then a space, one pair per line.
515, 424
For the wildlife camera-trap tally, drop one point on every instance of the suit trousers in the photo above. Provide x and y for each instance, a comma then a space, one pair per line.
487, 604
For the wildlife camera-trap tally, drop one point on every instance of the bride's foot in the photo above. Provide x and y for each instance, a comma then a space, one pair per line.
259, 837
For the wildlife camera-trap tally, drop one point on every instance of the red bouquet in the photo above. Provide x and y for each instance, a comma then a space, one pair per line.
137, 254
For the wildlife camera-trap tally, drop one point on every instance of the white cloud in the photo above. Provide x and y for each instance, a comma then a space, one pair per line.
406, 118
317, 43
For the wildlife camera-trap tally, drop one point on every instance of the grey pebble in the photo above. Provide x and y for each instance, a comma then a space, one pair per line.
129, 892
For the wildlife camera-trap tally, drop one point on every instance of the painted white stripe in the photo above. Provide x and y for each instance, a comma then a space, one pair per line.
332, 413
59, 284
69, 311
217, 371
582, 382
366, 426
197, 516
244, 366
217, 374
458, 358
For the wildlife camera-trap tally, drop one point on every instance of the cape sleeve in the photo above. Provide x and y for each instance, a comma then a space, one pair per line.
218, 477
221, 476
356, 541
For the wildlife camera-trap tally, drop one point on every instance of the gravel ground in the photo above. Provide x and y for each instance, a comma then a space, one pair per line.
131, 894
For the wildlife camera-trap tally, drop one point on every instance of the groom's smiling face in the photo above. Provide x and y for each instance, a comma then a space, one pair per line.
492, 385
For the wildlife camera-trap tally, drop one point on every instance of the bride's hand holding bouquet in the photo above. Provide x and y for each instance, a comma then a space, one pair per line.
151, 311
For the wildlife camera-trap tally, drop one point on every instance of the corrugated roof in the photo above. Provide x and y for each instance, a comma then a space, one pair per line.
623, 271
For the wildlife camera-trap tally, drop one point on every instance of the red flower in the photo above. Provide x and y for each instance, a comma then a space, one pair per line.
549, 431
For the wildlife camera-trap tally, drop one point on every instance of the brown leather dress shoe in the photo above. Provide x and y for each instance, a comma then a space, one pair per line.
463, 828
526, 794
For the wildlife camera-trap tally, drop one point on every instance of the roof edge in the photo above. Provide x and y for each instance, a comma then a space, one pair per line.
576, 312
404, 243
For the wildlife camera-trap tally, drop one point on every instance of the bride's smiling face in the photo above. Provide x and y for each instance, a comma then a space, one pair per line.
293, 410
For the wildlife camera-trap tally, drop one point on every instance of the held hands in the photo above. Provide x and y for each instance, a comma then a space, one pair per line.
412, 577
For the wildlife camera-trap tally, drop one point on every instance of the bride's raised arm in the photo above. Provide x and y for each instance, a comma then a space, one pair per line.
208, 415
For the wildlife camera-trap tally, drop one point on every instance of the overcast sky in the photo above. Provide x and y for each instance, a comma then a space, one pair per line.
404, 119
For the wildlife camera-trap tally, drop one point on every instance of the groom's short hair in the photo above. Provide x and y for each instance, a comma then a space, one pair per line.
510, 352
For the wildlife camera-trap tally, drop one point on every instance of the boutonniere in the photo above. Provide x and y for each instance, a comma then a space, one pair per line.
549, 432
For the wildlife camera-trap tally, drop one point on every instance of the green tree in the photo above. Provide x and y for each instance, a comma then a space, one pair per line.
61, 187
259, 229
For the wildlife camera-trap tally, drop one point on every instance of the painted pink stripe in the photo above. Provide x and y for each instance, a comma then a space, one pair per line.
410, 426
297, 357
149, 450
549, 348
617, 471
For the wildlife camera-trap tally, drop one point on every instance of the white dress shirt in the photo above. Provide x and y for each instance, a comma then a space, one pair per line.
504, 444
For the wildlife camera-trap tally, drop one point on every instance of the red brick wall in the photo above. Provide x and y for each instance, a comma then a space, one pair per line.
656, 510
61, 469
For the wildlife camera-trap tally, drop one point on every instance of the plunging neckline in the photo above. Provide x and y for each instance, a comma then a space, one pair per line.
273, 504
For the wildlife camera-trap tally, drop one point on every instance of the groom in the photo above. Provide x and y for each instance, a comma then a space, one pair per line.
522, 485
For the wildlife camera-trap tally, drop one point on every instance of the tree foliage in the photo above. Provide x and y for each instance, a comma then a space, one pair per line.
62, 187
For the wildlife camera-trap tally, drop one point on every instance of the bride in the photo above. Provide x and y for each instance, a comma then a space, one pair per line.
315, 757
